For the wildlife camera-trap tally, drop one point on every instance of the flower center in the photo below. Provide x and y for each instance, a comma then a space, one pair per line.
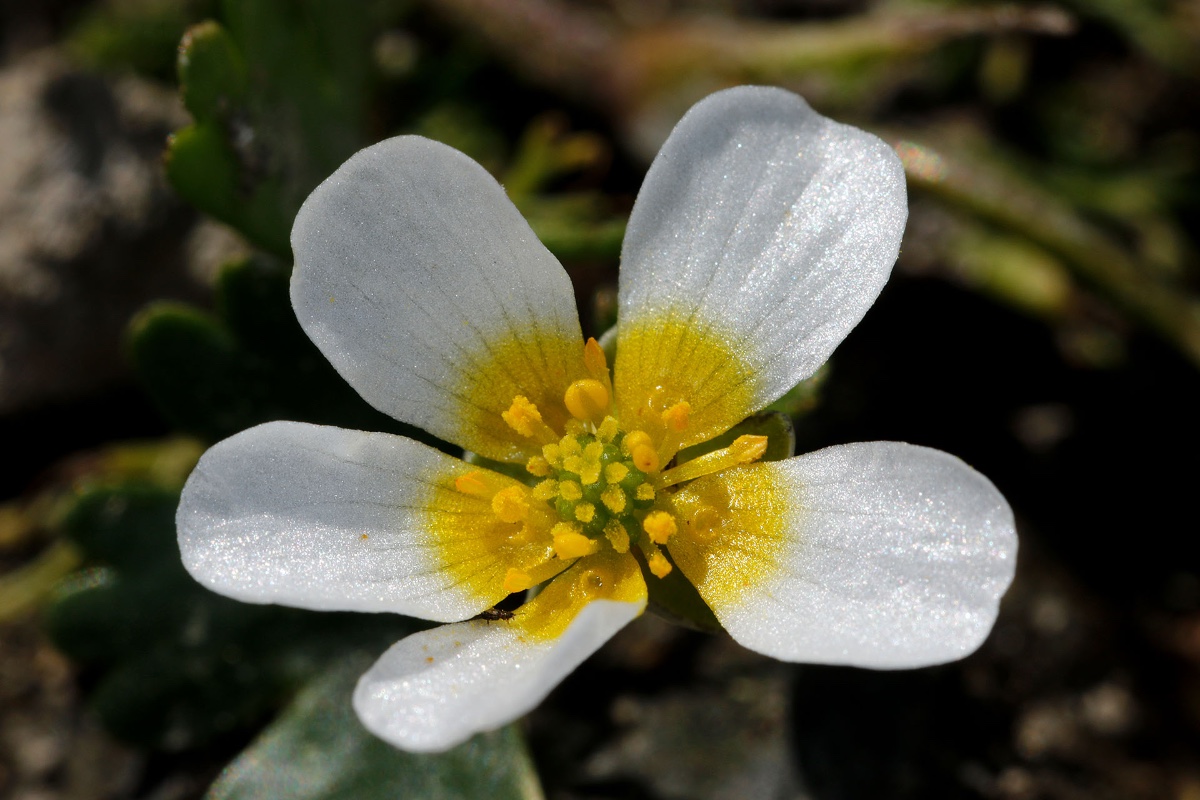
600, 485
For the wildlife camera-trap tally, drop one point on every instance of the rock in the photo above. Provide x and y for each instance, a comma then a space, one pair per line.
89, 229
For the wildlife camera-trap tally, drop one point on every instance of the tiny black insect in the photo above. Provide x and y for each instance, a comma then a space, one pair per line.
493, 614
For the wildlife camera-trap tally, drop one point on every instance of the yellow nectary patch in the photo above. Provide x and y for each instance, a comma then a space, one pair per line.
607, 575
668, 360
733, 531
473, 544
537, 367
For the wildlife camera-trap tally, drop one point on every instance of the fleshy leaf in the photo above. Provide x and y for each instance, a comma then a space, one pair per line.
318, 750
214, 376
278, 96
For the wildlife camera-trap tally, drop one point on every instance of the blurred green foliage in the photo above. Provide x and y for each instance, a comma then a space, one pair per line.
178, 665
278, 96
317, 750
213, 375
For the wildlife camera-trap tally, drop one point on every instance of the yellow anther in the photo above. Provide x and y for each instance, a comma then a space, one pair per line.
744, 450
569, 446
617, 536
573, 464
587, 400
639, 446
553, 454
471, 483
635, 439
615, 473
538, 466
608, 430
644, 491
645, 458
570, 490
749, 448
589, 468
659, 526
570, 543
585, 512
575, 427
517, 581
658, 564
546, 490
677, 416
511, 504
614, 499
594, 359
589, 473
523, 416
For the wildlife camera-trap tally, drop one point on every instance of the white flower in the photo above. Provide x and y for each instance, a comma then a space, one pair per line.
761, 236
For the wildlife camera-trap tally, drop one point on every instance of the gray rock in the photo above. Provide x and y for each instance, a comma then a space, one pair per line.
89, 229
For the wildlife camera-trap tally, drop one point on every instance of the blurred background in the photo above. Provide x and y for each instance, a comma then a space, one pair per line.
1043, 324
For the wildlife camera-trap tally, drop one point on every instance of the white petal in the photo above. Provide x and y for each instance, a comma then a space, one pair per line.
331, 519
423, 285
764, 227
437, 688
888, 555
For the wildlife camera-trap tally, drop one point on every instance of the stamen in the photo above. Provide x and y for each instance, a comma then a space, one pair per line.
659, 526
546, 490
656, 561
614, 499
637, 445
570, 543
644, 492
511, 504
538, 466
526, 576
570, 490
645, 458
585, 512
589, 470
597, 364
589, 473
635, 439
744, 450
471, 483
608, 430
517, 581
587, 400
615, 473
553, 455
524, 418
617, 536
594, 359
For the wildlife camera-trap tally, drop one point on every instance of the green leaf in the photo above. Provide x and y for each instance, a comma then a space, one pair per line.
318, 750
214, 376
191, 366
138, 34
212, 72
279, 97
